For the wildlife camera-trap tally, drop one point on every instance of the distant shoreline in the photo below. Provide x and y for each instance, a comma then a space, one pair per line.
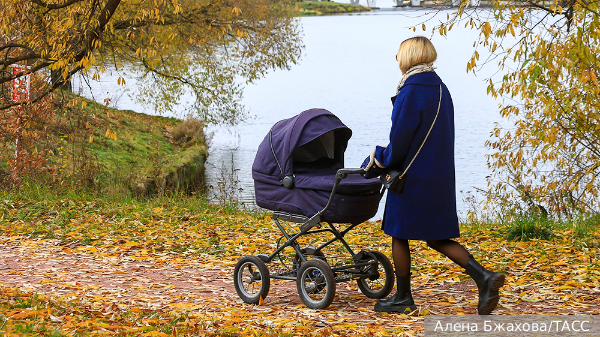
321, 8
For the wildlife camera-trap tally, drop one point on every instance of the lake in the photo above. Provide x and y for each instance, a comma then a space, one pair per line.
349, 68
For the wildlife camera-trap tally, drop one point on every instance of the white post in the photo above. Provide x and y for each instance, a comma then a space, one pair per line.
415, 3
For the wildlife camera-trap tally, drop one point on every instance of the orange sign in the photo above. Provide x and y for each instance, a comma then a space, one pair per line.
21, 87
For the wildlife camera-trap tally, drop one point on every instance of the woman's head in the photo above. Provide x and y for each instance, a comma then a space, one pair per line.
415, 50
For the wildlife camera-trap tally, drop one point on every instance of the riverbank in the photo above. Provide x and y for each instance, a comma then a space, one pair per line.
89, 145
109, 264
313, 8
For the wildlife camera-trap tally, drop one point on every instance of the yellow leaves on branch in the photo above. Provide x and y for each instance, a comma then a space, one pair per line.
471, 64
593, 76
511, 29
551, 88
164, 37
486, 29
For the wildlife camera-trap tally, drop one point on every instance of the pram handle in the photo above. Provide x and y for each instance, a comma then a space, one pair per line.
341, 174
344, 172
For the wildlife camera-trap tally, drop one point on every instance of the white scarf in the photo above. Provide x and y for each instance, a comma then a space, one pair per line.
419, 68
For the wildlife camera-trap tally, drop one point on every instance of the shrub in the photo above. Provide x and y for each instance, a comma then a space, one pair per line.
188, 133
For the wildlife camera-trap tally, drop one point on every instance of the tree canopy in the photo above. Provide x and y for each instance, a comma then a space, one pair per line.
206, 48
547, 52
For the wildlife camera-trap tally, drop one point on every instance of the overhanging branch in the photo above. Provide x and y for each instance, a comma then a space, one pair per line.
55, 6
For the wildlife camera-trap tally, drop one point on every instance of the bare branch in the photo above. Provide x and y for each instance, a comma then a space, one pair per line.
14, 45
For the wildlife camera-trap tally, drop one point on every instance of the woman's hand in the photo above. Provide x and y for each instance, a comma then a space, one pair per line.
371, 166
369, 161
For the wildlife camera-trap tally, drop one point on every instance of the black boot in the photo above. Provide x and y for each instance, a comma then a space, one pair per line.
488, 283
401, 302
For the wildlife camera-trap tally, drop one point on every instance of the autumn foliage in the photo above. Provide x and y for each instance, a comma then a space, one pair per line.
24, 131
208, 49
547, 53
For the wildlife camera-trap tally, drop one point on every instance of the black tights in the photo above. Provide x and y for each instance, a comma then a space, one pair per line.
452, 249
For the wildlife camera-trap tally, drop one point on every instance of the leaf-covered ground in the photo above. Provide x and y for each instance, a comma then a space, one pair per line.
164, 267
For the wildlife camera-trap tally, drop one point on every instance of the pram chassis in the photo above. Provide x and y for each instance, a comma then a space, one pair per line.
315, 276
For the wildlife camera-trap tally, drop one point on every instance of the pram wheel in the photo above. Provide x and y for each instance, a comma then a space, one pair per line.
372, 286
316, 284
251, 278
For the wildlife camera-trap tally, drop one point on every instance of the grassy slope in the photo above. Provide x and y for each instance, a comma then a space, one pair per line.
327, 7
130, 148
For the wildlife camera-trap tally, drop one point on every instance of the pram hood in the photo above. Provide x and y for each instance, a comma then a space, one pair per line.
320, 134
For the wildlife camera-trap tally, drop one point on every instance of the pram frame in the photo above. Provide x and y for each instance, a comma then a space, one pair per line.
347, 272
309, 223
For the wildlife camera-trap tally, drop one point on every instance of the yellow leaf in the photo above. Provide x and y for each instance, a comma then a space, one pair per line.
486, 29
24, 315
130, 244
185, 305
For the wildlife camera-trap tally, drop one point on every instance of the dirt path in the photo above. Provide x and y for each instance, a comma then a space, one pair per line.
200, 282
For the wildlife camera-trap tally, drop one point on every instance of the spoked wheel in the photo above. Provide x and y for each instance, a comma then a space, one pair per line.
380, 284
316, 284
251, 279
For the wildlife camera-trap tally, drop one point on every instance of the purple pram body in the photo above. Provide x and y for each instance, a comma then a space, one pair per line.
309, 149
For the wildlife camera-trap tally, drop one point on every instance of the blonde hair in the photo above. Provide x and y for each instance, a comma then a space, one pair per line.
415, 50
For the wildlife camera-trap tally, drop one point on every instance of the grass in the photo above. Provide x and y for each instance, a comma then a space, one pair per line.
136, 149
91, 145
528, 227
179, 222
327, 8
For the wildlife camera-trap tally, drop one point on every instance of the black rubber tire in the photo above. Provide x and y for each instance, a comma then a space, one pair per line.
316, 284
250, 270
373, 288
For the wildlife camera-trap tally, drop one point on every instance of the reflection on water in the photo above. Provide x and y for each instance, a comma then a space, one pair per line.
349, 68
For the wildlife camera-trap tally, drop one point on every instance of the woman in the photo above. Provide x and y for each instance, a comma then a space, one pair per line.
425, 207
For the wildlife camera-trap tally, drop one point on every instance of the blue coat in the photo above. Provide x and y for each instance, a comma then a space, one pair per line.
426, 207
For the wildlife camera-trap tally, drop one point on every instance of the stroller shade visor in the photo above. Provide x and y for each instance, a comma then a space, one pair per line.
307, 137
321, 147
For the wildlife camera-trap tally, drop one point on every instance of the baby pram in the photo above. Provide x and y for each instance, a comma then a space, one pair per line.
299, 174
